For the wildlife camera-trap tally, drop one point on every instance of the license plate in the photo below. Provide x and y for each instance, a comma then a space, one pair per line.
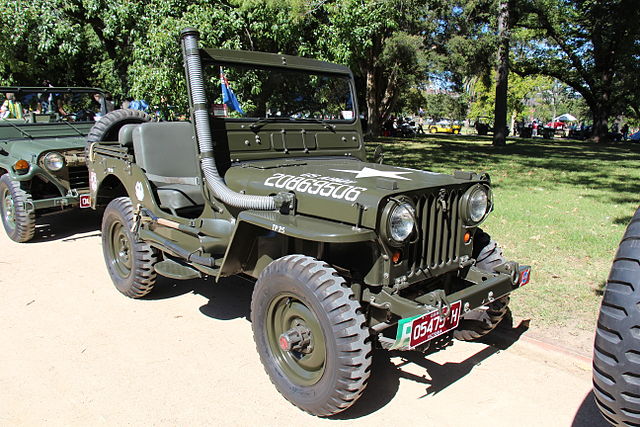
85, 200
431, 325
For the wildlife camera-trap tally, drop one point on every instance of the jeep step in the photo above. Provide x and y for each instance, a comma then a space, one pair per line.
174, 270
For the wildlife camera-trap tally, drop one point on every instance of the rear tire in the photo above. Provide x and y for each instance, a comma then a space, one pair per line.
616, 356
129, 260
479, 322
18, 221
300, 295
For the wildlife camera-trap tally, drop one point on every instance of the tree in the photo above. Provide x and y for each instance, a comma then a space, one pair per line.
502, 75
590, 45
384, 44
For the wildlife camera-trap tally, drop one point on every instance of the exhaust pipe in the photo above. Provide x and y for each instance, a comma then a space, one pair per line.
200, 118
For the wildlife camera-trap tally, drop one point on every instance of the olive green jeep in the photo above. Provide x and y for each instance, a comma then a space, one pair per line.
269, 180
43, 133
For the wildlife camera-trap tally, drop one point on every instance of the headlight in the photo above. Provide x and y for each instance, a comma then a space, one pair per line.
54, 161
401, 222
476, 204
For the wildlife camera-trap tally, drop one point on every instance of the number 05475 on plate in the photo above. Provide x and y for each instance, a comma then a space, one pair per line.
430, 325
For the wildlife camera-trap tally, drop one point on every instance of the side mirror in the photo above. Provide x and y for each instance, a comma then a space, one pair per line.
378, 155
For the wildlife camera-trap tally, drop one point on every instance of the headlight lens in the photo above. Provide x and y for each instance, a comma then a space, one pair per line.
401, 222
54, 161
476, 204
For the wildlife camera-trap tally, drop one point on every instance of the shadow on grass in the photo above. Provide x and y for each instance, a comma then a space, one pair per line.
576, 163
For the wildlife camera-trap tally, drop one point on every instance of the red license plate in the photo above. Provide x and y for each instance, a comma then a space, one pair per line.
85, 200
430, 325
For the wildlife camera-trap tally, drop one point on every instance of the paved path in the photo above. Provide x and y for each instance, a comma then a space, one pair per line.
76, 352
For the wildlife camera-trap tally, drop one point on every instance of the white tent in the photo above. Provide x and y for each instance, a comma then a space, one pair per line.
566, 117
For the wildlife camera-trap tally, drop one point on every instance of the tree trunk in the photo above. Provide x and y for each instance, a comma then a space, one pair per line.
373, 105
502, 78
600, 131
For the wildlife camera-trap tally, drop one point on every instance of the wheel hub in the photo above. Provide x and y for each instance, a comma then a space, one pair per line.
9, 209
297, 339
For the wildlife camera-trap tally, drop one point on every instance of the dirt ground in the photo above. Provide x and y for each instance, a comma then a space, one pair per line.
76, 352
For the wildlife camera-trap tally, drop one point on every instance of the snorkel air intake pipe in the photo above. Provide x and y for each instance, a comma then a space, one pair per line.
200, 117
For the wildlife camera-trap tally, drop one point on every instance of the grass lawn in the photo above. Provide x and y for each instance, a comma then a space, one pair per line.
560, 206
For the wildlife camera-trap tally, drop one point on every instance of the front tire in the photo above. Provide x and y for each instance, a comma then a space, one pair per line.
19, 222
616, 355
129, 260
306, 302
479, 322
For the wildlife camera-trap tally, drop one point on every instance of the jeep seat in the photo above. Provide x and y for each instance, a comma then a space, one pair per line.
166, 151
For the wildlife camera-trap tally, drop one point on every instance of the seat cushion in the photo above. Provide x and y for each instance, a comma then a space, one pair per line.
178, 196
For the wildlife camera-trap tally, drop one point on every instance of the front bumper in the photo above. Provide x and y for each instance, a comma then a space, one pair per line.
484, 287
70, 200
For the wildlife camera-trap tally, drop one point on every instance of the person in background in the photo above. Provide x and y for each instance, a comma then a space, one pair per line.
108, 99
420, 123
11, 109
625, 131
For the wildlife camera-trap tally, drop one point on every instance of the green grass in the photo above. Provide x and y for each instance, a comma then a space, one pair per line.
560, 206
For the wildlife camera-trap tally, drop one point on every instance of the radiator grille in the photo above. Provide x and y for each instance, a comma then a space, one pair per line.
439, 229
78, 177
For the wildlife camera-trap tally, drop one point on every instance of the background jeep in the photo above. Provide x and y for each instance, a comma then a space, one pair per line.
346, 254
42, 159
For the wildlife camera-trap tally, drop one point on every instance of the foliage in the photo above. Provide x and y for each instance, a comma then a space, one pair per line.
590, 45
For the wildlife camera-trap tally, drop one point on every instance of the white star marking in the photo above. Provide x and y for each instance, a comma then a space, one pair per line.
371, 173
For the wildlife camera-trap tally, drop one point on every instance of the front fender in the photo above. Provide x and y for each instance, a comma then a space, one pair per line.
244, 254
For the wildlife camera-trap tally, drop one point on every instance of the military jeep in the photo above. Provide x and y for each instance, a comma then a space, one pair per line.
42, 159
269, 181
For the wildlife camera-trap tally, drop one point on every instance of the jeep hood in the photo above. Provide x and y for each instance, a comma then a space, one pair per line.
333, 188
26, 148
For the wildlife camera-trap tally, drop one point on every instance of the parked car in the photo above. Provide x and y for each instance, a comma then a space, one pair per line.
445, 126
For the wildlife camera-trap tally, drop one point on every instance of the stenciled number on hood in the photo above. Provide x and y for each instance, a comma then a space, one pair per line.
336, 188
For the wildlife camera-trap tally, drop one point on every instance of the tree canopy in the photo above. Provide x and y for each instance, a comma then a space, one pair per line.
394, 47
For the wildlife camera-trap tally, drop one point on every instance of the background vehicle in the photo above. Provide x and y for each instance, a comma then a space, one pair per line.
445, 126
616, 356
346, 254
42, 160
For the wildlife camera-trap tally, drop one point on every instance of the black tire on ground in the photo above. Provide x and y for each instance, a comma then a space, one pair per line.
107, 128
479, 322
19, 222
330, 371
616, 355
129, 260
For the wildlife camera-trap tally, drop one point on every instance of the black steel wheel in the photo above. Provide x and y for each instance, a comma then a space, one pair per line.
310, 334
479, 322
107, 128
616, 355
18, 219
129, 260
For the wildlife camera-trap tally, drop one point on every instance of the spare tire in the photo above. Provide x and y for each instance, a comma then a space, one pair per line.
107, 128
